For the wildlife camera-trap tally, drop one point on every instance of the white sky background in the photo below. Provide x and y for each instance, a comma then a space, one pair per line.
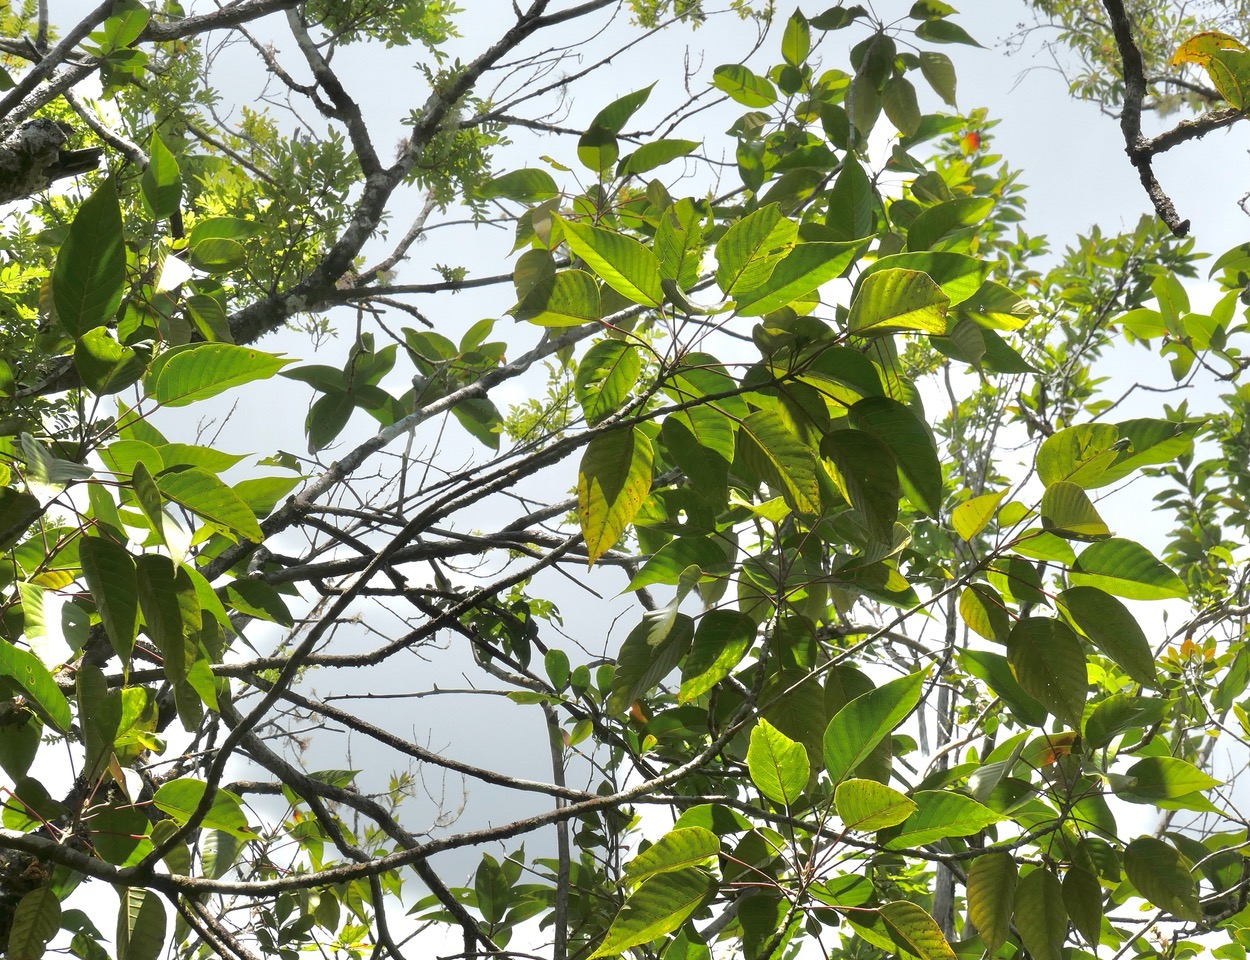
1073, 161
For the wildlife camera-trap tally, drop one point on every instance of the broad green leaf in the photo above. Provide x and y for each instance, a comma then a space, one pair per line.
1067, 512
898, 100
625, 265
224, 228
892, 300
659, 906
668, 563
1082, 897
720, 642
490, 885
944, 31
218, 851
605, 377
104, 364
32, 923
843, 375
864, 470
858, 727
197, 371
180, 799
742, 85
991, 895
613, 480
700, 441
327, 417
99, 717
1040, 915
527, 185
853, 204
18, 510
90, 272
958, 275
1126, 569
940, 73
919, 469
971, 516
940, 814
1163, 778
681, 847
566, 299
751, 248
911, 927
679, 242
984, 611
161, 182
36, 683
781, 459
796, 40
937, 222
1229, 71
171, 611
1144, 442
206, 496
1120, 712
217, 255
1163, 877
258, 599
802, 271
655, 154
1112, 629
777, 764
1078, 454
1047, 659
140, 924
866, 805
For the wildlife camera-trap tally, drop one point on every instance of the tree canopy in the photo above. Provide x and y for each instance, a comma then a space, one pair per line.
713, 559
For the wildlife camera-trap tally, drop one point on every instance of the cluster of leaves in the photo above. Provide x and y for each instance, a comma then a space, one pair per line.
883, 667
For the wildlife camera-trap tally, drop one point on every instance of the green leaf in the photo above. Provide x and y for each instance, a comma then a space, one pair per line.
801, 272
919, 469
224, 228
1163, 778
700, 441
991, 893
1040, 915
1229, 71
1047, 659
777, 764
258, 599
1082, 897
37, 684
490, 885
943, 31
893, 300
206, 496
911, 928
140, 925
937, 222
1120, 712
1126, 569
865, 472
751, 248
625, 265
940, 814
744, 86
526, 185
655, 154
18, 510
1148, 442
217, 255
858, 727
605, 377
971, 516
720, 643
161, 183
940, 73
104, 364
1163, 877
327, 417
652, 649
780, 459
99, 716
171, 611
180, 799
678, 849
659, 906
866, 805
196, 371
898, 100
480, 417
1112, 629
1078, 454
90, 272
565, 299
669, 562
109, 570
958, 275
853, 205
34, 921
612, 482
1067, 512
796, 40
984, 611
679, 243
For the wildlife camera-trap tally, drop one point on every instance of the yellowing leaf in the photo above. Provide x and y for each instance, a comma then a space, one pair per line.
614, 479
1199, 48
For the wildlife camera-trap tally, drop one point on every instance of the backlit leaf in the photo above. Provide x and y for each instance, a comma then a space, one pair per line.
1126, 569
858, 727
659, 906
90, 272
867, 805
625, 265
614, 479
1040, 915
1047, 659
1163, 877
991, 895
777, 764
